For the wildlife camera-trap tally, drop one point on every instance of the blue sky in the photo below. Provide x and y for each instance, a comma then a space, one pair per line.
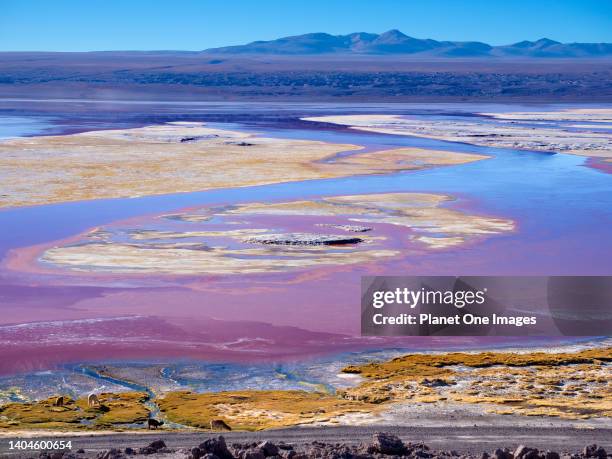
85, 25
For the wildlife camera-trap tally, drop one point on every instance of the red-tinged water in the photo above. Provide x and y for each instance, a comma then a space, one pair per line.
562, 210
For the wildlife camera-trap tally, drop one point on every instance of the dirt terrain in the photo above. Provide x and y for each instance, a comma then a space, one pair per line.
197, 76
464, 440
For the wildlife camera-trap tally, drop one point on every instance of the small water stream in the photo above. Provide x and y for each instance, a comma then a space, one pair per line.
150, 404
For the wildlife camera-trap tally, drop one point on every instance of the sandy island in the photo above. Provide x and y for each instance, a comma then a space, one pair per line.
272, 237
181, 157
591, 115
519, 131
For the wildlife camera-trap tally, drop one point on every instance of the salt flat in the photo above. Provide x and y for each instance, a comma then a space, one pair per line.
274, 237
181, 157
519, 131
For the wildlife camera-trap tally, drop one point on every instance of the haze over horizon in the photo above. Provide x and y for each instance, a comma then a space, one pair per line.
190, 25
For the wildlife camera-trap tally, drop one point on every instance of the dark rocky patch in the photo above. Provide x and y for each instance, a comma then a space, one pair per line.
197, 138
153, 447
303, 239
382, 446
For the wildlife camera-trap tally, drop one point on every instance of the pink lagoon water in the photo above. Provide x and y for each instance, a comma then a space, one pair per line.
562, 207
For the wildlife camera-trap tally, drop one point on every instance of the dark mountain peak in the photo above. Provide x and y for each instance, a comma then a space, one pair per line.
360, 41
310, 36
362, 36
544, 42
392, 35
521, 44
532, 45
395, 42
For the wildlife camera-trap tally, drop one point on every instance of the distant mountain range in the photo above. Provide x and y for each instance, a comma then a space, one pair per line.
395, 42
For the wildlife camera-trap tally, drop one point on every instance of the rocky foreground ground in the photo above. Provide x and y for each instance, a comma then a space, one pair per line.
382, 445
